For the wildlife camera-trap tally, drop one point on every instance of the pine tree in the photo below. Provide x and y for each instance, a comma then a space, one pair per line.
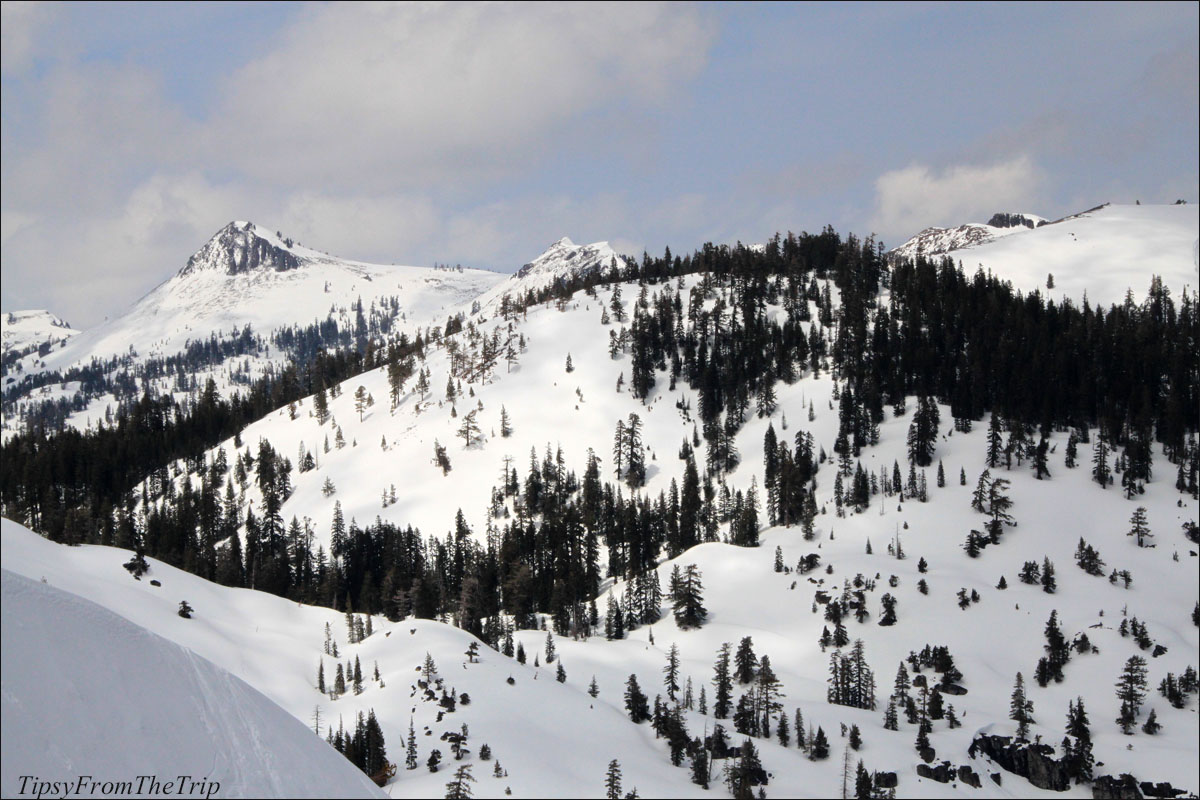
1131, 691
820, 746
671, 673
1100, 470
688, 605
612, 781
410, 750
635, 702
723, 682
1138, 527
321, 677
1021, 709
746, 663
460, 787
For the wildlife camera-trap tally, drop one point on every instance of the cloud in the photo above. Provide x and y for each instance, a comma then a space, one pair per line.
383, 97
20, 23
371, 131
910, 199
101, 262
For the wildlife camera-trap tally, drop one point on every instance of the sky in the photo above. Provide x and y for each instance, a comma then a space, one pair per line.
480, 134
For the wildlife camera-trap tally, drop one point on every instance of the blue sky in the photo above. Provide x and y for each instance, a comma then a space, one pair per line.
480, 134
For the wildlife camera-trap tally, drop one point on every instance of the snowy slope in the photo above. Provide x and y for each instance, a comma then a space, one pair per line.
88, 693
935, 241
1103, 252
550, 407
23, 331
563, 259
220, 291
553, 739
246, 276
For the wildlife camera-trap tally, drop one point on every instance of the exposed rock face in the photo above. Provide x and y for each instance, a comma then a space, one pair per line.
1006, 220
1106, 787
886, 780
969, 776
1034, 762
1163, 789
237, 249
942, 773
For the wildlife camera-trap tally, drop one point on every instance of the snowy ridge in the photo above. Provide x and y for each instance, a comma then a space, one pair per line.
1102, 252
935, 241
563, 259
87, 692
25, 331
244, 276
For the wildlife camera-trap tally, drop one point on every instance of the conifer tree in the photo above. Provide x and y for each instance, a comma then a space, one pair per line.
612, 781
1021, 709
1131, 691
746, 663
723, 682
635, 702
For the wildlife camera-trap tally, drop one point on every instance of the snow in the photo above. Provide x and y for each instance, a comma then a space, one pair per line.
203, 300
553, 738
22, 331
563, 259
88, 693
1104, 253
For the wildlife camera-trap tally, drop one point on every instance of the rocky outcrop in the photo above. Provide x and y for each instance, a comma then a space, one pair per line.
1035, 762
238, 249
1106, 787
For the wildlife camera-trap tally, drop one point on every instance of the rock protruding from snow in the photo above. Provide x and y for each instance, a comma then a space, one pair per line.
1005, 219
25, 331
935, 241
565, 259
561, 261
89, 693
239, 248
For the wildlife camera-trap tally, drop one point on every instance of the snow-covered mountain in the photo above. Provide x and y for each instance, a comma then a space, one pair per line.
89, 697
935, 241
243, 277
1102, 252
562, 260
548, 387
23, 332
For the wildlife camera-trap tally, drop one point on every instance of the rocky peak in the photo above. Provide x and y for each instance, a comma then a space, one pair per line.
240, 247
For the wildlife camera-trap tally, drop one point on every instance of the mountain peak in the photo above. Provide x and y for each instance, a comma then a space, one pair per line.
241, 247
565, 258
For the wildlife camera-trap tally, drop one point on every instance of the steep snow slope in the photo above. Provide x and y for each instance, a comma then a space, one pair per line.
553, 739
88, 693
1103, 252
24, 331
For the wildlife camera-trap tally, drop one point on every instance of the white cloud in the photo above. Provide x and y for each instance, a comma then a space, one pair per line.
380, 229
913, 198
381, 97
19, 26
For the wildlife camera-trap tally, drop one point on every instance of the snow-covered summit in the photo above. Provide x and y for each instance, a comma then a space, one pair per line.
240, 247
564, 259
1103, 252
935, 241
560, 261
24, 331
